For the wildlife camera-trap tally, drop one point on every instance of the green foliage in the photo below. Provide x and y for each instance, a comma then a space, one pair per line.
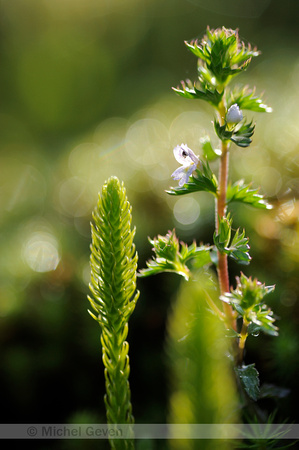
113, 286
171, 256
247, 300
221, 56
263, 319
266, 436
249, 378
201, 379
240, 192
201, 180
223, 53
209, 152
245, 99
236, 247
239, 134
204, 91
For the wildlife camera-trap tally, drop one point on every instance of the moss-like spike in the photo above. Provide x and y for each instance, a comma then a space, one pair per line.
113, 263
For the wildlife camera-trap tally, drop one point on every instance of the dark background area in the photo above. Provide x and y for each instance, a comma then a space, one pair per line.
85, 92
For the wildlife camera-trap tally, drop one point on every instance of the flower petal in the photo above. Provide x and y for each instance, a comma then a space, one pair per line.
184, 179
178, 173
191, 170
184, 155
234, 114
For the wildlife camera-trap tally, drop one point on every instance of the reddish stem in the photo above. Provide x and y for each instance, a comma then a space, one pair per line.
220, 212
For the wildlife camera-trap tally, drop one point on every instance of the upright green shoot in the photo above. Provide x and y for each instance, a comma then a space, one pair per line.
113, 263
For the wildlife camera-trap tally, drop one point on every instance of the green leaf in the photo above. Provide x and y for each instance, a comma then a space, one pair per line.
173, 256
201, 257
222, 239
208, 151
222, 131
240, 134
201, 180
248, 300
262, 317
248, 293
199, 91
249, 378
239, 192
223, 53
245, 99
237, 247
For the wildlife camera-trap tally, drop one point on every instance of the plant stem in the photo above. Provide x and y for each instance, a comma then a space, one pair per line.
212, 305
242, 340
220, 212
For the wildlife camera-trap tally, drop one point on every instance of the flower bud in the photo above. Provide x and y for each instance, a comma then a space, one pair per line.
234, 114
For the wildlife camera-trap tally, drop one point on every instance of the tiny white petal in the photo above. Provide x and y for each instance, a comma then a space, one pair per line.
234, 114
184, 155
178, 173
190, 170
188, 160
184, 179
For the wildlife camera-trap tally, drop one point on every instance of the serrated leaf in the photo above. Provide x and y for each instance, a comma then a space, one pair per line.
201, 180
239, 135
246, 99
222, 132
172, 256
262, 316
242, 134
239, 192
249, 378
200, 91
223, 53
197, 50
222, 238
186, 90
201, 257
208, 151
237, 247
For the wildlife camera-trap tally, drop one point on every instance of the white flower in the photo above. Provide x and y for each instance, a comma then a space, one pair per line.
189, 161
234, 114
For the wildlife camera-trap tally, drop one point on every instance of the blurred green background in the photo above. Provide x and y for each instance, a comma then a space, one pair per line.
86, 94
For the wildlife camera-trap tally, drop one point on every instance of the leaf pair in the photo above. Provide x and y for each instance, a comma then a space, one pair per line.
247, 301
173, 256
237, 247
239, 135
201, 180
223, 53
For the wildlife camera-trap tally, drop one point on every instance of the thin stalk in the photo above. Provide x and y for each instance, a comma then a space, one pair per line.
220, 212
242, 340
214, 307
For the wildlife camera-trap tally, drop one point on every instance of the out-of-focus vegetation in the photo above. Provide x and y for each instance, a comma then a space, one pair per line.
85, 94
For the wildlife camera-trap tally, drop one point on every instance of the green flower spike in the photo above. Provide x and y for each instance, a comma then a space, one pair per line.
113, 286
